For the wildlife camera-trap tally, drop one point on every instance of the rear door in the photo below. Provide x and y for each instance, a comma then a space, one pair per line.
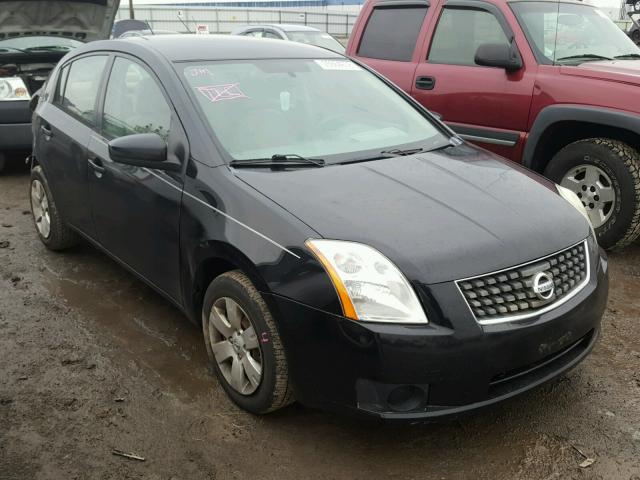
486, 105
387, 42
65, 126
136, 210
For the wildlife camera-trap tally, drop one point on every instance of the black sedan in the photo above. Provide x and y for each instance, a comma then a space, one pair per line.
337, 243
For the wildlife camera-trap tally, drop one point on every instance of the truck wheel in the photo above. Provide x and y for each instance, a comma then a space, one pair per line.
52, 230
244, 346
605, 174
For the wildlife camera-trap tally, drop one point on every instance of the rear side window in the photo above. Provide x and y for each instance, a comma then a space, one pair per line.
459, 34
81, 87
391, 33
134, 103
62, 81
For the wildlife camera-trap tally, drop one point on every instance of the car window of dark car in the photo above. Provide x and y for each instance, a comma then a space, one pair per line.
391, 33
62, 82
82, 85
134, 102
459, 34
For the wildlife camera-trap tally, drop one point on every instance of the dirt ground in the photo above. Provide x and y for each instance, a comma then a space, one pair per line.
91, 360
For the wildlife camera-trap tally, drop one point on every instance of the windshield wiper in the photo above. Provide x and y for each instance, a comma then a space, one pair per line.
47, 47
583, 56
398, 152
627, 56
9, 49
279, 160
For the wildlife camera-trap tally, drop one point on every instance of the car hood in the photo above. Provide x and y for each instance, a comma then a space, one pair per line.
83, 20
626, 71
439, 216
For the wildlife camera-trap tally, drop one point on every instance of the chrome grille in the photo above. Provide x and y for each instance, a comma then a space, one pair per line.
510, 295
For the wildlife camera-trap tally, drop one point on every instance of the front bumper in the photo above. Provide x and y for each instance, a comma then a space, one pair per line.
450, 366
15, 126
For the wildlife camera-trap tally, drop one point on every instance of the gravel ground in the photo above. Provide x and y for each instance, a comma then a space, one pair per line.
91, 360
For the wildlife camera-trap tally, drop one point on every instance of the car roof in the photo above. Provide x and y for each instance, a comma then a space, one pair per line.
177, 48
288, 27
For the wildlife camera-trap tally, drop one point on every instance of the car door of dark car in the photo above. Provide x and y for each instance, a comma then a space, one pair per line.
136, 210
63, 129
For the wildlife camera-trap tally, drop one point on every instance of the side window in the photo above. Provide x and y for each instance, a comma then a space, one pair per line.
134, 103
391, 33
62, 81
459, 34
82, 85
254, 33
269, 34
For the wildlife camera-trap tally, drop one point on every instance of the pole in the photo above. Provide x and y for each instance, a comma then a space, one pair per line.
131, 14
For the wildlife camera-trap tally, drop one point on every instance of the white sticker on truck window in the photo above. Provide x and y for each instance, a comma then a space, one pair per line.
337, 65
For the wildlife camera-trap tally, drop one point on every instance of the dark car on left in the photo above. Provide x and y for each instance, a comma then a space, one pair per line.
34, 36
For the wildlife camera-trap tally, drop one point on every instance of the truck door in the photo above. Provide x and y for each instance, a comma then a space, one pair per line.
389, 37
486, 105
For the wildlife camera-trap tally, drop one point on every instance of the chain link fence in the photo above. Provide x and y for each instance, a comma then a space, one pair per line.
225, 20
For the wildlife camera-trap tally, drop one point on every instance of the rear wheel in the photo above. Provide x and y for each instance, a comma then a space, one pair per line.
605, 174
244, 346
52, 230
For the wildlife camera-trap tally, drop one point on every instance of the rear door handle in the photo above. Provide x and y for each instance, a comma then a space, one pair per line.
425, 83
46, 131
98, 167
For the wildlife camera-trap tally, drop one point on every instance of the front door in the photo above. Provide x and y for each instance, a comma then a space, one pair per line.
485, 105
136, 210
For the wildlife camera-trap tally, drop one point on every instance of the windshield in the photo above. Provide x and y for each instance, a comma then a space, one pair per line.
330, 109
318, 39
570, 33
30, 43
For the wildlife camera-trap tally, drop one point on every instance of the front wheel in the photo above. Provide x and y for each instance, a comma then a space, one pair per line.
244, 346
605, 174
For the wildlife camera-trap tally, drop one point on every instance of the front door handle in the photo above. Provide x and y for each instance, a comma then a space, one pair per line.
46, 131
425, 83
98, 167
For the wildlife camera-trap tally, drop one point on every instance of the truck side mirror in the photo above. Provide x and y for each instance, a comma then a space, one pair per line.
499, 55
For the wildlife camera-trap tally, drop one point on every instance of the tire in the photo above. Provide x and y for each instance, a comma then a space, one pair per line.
635, 36
3, 161
621, 164
58, 236
273, 390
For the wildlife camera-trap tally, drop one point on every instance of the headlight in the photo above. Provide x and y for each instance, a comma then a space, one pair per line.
13, 88
573, 199
369, 286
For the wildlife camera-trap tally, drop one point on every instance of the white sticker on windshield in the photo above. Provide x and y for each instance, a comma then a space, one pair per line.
337, 65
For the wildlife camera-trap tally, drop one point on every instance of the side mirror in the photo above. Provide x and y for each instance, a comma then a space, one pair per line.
142, 150
499, 55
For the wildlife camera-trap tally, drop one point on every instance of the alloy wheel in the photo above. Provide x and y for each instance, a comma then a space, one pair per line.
235, 346
40, 208
595, 189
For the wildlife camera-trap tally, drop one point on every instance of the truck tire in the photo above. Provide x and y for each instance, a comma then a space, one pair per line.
244, 346
51, 229
605, 174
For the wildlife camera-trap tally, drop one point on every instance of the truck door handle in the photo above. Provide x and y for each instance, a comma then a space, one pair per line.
425, 83
46, 131
98, 167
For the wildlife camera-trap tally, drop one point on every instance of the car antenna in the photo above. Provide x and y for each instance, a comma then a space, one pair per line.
182, 21
150, 29
555, 40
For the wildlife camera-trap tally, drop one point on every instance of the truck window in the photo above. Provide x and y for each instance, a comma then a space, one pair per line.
391, 33
459, 34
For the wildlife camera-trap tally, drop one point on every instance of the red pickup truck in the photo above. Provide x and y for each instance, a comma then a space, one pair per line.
553, 85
